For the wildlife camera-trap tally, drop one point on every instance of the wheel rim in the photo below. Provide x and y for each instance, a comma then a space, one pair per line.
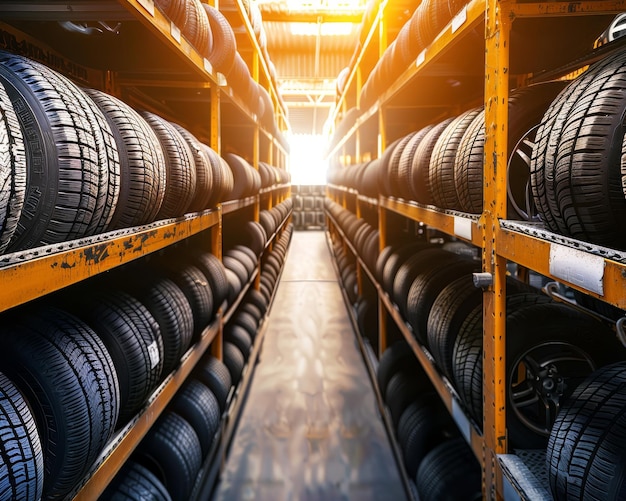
540, 379
518, 187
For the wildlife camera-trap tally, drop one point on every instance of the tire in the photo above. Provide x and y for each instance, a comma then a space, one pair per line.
425, 288
135, 482
254, 237
169, 306
237, 267
133, 339
175, 10
418, 263
397, 357
21, 466
450, 471
526, 109
196, 288
215, 273
222, 57
420, 168
403, 388
384, 182
423, 425
241, 174
248, 262
13, 175
195, 403
180, 184
234, 287
254, 297
215, 375
396, 259
234, 360
405, 163
585, 455
204, 172
589, 183
171, 450
197, 29
247, 321
218, 188
75, 191
69, 380
239, 336
550, 137
441, 170
573, 343
142, 164
394, 165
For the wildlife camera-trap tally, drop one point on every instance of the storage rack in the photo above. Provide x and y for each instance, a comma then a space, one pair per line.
476, 49
149, 66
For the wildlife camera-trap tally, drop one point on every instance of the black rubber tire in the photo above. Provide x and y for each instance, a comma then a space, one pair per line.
534, 324
180, 184
234, 287
175, 10
251, 309
550, 136
254, 237
169, 306
142, 164
21, 475
450, 471
171, 450
441, 170
420, 168
267, 221
585, 456
197, 29
204, 172
590, 163
397, 357
403, 388
76, 188
396, 259
135, 482
241, 174
384, 182
526, 108
417, 264
69, 380
405, 163
133, 339
233, 264
214, 375
217, 176
425, 288
257, 299
196, 403
423, 425
13, 175
215, 273
247, 321
248, 261
239, 336
394, 165
222, 57
234, 360
195, 286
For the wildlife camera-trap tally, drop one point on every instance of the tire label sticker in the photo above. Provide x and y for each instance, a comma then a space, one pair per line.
459, 19
175, 32
577, 267
153, 351
207, 66
463, 227
148, 5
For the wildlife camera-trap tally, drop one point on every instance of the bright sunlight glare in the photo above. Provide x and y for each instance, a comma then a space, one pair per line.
306, 159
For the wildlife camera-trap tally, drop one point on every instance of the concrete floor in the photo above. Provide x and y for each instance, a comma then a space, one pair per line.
310, 428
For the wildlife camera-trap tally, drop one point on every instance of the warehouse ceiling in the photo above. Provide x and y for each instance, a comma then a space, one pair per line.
310, 42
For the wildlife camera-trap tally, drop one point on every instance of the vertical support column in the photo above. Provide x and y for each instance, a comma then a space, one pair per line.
216, 250
382, 310
216, 120
497, 32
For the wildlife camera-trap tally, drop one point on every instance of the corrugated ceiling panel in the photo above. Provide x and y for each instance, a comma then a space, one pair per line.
291, 65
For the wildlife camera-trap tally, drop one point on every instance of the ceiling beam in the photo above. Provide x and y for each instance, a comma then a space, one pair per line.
312, 16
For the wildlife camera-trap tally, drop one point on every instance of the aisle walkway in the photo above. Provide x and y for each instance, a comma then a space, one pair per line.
310, 429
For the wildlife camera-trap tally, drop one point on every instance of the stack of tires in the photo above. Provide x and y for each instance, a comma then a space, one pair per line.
272, 263
166, 463
82, 363
438, 461
120, 168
